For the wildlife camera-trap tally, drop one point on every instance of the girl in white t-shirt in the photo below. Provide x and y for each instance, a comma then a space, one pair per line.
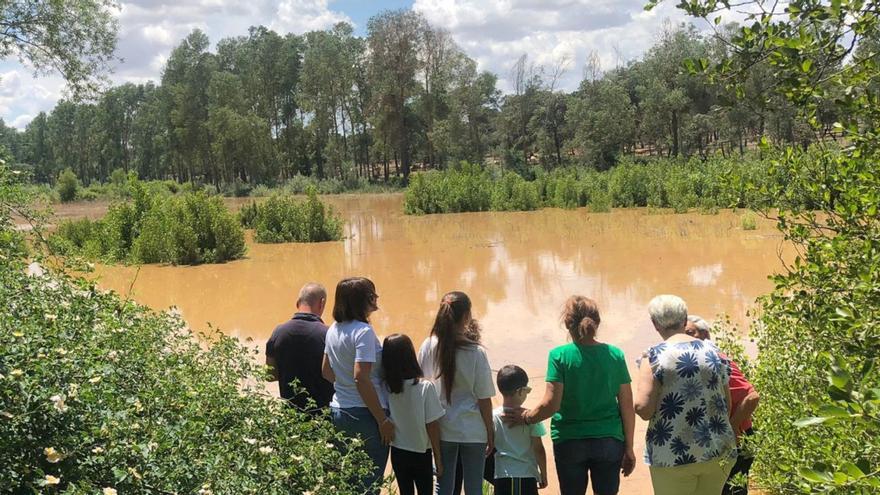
460, 369
415, 409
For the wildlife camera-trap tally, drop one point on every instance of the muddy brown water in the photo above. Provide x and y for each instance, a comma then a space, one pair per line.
517, 267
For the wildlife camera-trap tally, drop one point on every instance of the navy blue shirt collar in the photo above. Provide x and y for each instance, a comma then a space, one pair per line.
307, 317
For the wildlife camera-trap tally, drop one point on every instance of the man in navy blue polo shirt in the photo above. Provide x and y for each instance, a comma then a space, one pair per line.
295, 350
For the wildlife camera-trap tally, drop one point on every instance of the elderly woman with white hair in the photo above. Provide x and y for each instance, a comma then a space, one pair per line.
683, 393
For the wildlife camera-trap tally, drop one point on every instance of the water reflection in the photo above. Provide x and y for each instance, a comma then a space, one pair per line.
517, 267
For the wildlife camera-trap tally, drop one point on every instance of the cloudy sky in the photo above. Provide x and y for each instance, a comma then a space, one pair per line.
493, 32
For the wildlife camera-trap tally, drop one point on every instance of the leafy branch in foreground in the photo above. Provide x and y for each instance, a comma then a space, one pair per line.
818, 334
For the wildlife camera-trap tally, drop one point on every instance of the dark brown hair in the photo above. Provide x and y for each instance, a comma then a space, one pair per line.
354, 296
453, 308
399, 362
581, 318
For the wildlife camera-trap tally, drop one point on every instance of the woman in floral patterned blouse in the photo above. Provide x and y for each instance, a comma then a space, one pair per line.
683, 393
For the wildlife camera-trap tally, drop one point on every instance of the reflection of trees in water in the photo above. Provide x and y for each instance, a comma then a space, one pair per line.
514, 265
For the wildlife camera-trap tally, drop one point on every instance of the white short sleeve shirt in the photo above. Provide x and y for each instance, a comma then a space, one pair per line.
515, 457
473, 381
414, 407
349, 342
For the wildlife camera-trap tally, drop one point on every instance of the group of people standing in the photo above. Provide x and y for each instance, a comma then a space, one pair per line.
431, 411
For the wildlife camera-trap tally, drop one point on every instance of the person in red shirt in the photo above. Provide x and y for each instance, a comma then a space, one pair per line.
745, 400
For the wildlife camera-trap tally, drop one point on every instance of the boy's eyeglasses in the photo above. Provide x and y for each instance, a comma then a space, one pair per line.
526, 389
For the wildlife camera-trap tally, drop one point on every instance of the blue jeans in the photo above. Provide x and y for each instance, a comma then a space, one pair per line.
473, 459
577, 460
358, 422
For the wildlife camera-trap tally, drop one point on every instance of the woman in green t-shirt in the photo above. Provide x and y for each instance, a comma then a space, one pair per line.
590, 399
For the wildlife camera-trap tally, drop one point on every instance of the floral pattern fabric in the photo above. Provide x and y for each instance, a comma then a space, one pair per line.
691, 423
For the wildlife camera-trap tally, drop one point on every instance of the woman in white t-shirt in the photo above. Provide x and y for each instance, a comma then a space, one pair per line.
460, 369
415, 409
352, 362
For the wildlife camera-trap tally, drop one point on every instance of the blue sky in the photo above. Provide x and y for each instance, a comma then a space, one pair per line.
493, 32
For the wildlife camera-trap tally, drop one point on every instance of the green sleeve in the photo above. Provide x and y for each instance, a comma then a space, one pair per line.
624, 371
555, 370
537, 430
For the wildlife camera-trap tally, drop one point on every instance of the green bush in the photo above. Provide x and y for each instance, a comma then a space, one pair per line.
466, 187
513, 193
749, 221
189, 229
67, 186
657, 183
286, 219
97, 392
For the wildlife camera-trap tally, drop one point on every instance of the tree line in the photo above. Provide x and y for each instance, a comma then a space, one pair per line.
266, 107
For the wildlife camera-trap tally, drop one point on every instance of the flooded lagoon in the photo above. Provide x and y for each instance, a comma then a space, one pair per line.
518, 268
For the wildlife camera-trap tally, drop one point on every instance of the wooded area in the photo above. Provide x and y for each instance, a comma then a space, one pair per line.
264, 107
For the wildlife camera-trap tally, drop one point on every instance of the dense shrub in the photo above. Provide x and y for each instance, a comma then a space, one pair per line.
300, 184
188, 229
513, 193
467, 187
286, 219
658, 183
67, 186
98, 393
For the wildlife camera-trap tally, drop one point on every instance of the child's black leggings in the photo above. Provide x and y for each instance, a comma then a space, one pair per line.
414, 471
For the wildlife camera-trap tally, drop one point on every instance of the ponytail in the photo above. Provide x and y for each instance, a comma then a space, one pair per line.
453, 308
581, 318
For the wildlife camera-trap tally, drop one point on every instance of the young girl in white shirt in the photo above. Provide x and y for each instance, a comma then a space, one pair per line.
460, 369
415, 410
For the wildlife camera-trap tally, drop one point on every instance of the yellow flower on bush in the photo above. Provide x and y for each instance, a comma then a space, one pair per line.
266, 450
16, 372
58, 403
52, 455
51, 480
108, 491
95, 379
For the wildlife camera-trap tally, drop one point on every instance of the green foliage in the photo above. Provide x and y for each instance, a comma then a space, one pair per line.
512, 193
464, 188
67, 186
749, 221
818, 332
97, 392
286, 219
76, 39
660, 183
100, 394
189, 229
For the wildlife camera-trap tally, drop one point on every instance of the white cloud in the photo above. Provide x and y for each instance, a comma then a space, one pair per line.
300, 16
497, 32
22, 97
158, 34
22, 121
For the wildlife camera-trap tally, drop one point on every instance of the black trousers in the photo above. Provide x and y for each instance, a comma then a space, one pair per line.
516, 486
414, 471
